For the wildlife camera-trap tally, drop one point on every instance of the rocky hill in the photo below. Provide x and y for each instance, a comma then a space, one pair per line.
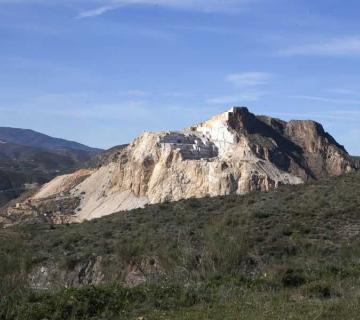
234, 152
29, 158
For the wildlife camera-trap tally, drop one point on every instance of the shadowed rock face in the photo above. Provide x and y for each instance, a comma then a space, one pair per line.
233, 152
356, 160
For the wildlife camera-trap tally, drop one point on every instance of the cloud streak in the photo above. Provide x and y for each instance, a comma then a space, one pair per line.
248, 79
346, 46
206, 6
235, 98
248, 84
100, 7
330, 100
97, 11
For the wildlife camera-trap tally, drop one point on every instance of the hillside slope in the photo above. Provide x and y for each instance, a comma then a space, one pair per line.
289, 253
30, 138
29, 158
234, 152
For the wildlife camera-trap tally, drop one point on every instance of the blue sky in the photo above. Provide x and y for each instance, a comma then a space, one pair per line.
101, 71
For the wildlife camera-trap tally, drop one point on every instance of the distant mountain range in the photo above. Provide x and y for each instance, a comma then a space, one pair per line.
28, 158
30, 138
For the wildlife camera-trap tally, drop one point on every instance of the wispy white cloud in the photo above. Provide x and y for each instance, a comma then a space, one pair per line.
99, 7
215, 29
249, 79
346, 46
235, 98
134, 93
194, 5
97, 11
329, 100
248, 83
344, 91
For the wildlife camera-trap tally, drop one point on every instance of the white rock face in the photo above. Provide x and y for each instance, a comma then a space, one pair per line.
218, 131
232, 153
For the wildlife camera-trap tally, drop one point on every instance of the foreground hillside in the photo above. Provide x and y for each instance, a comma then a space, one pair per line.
292, 253
29, 158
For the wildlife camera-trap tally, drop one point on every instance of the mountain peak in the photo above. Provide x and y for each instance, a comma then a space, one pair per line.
232, 152
239, 110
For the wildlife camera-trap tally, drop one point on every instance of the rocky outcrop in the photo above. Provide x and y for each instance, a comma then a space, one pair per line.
356, 160
233, 152
44, 276
93, 271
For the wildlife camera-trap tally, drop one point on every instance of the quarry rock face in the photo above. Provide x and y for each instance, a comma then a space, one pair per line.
234, 152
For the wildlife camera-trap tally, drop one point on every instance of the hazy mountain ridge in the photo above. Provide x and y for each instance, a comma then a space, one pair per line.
29, 157
31, 138
106, 157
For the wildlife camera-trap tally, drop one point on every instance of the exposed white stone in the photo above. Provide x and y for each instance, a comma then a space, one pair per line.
213, 158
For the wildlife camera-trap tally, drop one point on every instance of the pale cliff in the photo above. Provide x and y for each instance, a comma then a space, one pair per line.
233, 152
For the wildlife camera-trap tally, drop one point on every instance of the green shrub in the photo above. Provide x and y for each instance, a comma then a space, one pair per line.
293, 278
320, 290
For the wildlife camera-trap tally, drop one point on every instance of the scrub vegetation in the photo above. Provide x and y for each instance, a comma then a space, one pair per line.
292, 253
